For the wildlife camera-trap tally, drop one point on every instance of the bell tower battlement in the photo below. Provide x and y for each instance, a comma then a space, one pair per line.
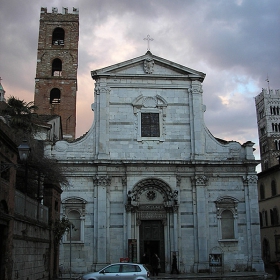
57, 65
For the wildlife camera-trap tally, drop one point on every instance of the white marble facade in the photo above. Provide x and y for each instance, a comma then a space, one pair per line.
149, 173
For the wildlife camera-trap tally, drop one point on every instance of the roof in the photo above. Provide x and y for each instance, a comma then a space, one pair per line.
269, 171
176, 70
43, 120
46, 118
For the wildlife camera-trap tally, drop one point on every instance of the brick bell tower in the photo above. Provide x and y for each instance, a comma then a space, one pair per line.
57, 64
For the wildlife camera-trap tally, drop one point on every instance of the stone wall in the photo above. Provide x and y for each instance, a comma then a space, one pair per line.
31, 250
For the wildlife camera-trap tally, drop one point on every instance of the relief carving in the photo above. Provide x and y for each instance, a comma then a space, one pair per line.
149, 65
150, 102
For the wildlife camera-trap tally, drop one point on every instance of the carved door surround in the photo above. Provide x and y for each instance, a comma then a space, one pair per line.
151, 199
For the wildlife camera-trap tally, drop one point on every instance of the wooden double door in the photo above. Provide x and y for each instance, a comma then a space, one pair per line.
152, 240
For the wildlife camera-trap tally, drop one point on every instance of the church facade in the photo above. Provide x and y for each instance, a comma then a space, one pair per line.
149, 177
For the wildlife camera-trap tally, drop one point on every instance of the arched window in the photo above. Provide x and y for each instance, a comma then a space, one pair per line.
227, 216
273, 188
262, 192
75, 218
56, 67
74, 210
58, 36
55, 96
227, 222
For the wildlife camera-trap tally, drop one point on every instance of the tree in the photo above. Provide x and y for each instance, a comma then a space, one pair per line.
60, 227
20, 114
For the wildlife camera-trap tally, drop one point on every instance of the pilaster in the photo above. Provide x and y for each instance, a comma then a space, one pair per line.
102, 119
252, 222
101, 182
199, 183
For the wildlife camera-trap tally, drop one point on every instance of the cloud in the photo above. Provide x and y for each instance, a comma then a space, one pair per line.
235, 42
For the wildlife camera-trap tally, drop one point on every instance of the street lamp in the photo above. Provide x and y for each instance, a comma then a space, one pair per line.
24, 151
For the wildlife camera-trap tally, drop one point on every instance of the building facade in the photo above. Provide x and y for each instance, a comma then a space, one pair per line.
57, 64
268, 119
8, 162
149, 177
27, 242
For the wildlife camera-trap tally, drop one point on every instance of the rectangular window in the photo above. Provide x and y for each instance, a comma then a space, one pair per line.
150, 125
227, 225
277, 243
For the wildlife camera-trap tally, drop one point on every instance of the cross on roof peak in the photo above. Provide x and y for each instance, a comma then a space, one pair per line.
148, 39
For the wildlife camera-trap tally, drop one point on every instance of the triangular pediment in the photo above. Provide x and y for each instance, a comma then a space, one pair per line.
148, 65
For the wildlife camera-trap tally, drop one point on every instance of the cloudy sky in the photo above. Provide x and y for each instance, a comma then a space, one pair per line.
235, 42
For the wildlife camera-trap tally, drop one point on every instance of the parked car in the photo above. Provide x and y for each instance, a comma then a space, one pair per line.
124, 271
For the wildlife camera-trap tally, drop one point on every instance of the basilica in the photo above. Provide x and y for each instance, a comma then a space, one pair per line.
149, 177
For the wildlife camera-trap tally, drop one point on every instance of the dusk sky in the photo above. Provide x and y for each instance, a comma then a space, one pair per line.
236, 43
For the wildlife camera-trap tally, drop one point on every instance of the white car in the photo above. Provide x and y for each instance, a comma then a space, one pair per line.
121, 271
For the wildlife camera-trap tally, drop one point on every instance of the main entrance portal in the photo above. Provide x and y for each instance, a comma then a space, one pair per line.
152, 240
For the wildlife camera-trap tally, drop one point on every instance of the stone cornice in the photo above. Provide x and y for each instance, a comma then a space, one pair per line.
189, 163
